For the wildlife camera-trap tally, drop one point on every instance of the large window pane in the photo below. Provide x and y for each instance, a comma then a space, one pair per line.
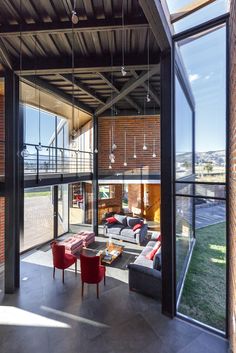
204, 292
38, 217
63, 209
183, 133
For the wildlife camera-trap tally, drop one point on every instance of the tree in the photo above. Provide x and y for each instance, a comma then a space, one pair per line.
208, 167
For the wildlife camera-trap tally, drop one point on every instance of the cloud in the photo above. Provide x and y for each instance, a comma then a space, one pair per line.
193, 77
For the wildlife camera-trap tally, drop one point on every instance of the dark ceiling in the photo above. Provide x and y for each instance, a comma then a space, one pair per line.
36, 40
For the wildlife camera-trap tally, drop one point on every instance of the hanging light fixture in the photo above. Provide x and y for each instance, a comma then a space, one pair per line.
24, 152
148, 99
111, 154
110, 166
39, 147
125, 160
135, 156
73, 130
113, 147
74, 16
154, 149
144, 143
123, 71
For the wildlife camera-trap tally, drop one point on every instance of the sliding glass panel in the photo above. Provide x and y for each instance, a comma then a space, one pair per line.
38, 217
63, 225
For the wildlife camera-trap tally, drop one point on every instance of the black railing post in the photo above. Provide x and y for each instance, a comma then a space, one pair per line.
77, 163
37, 165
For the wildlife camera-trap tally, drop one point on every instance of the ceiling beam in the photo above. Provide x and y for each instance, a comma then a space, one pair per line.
82, 87
95, 25
5, 56
127, 88
49, 88
149, 88
62, 65
158, 23
114, 88
189, 9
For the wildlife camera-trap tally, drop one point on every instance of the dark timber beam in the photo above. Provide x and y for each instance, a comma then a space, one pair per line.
47, 87
189, 9
127, 88
114, 88
149, 87
5, 56
14, 182
157, 20
62, 65
83, 87
94, 25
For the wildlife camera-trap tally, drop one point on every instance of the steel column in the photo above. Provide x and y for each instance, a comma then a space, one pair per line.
95, 175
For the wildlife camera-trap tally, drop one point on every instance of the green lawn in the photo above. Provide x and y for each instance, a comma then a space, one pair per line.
204, 294
37, 194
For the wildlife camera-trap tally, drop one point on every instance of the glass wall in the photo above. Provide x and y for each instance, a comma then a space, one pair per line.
201, 199
38, 217
63, 212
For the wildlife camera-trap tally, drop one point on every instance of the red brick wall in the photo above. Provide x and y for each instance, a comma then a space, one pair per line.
2, 136
133, 127
232, 181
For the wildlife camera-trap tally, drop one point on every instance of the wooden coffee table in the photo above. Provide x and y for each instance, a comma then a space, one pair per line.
111, 253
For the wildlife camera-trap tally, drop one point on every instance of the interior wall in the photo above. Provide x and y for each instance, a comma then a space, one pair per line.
134, 127
232, 180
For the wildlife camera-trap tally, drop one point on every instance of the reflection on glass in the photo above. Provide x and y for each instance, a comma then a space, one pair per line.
207, 75
183, 133
204, 292
184, 236
38, 217
63, 225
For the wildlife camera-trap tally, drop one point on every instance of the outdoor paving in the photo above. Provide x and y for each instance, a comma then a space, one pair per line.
47, 316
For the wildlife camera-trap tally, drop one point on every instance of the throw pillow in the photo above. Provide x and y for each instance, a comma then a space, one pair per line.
121, 219
137, 226
111, 220
132, 221
157, 260
152, 253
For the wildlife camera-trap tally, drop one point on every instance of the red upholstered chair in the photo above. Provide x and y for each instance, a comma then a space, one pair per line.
91, 271
62, 260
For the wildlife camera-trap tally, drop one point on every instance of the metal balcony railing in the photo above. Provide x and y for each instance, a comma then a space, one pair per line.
55, 160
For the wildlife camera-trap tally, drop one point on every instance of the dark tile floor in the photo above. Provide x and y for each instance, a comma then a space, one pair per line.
47, 316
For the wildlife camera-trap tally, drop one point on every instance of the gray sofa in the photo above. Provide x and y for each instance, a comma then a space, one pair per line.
123, 229
145, 274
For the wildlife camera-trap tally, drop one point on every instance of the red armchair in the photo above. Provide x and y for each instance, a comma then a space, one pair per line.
61, 260
91, 271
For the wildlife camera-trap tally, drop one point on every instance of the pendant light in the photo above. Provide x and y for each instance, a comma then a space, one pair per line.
39, 147
135, 156
154, 149
144, 142
74, 16
125, 160
73, 130
113, 146
123, 71
148, 60
24, 152
111, 154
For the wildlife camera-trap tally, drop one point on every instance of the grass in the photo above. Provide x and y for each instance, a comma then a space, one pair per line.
204, 292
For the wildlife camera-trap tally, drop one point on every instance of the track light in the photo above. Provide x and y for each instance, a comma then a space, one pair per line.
123, 72
74, 17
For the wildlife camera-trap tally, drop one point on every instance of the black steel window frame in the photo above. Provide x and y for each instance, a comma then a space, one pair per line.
221, 20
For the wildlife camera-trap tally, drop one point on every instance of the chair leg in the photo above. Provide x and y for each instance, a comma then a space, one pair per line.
82, 289
104, 280
54, 270
63, 275
97, 290
76, 267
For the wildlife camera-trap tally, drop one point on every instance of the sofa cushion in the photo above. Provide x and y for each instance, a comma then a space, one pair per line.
143, 261
121, 219
152, 253
157, 260
137, 226
111, 220
115, 228
127, 232
132, 221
